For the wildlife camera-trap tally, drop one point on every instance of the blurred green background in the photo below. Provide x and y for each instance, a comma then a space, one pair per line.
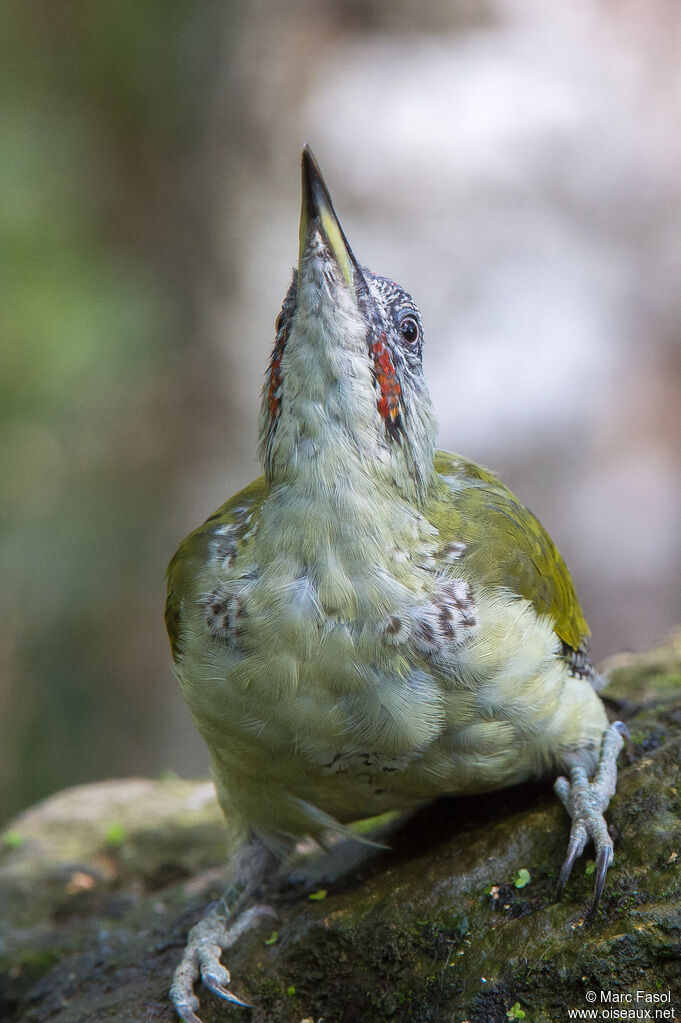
101, 241
518, 169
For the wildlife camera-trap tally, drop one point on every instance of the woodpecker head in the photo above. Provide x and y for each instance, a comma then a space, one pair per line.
345, 389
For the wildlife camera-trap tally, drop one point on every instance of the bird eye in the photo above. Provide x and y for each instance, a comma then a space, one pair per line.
409, 329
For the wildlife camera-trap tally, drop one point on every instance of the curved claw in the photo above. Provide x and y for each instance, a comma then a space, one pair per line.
620, 727
221, 991
576, 845
187, 1015
604, 858
186, 1012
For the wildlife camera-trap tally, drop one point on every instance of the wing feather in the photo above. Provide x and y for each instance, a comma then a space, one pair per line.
193, 553
505, 545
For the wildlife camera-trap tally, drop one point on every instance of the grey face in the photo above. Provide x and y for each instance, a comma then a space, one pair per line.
394, 345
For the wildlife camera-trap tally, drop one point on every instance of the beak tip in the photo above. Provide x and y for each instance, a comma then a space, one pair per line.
317, 206
314, 188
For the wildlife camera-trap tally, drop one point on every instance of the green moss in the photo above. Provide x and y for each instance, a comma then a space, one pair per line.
115, 834
13, 839
39, 961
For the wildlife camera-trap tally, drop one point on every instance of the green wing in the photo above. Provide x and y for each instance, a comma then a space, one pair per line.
505, 544
193, 554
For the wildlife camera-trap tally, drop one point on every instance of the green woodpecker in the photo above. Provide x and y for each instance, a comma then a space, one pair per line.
372, 623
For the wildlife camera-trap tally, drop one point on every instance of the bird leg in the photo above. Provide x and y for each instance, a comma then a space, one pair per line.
586, 801
219, 929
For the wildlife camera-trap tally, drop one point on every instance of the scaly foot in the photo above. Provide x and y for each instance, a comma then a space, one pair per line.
586, 801
206, 942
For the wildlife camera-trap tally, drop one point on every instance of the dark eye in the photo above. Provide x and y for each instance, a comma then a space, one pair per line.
409, 329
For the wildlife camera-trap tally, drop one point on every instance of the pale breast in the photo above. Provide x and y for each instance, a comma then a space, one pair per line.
438, 688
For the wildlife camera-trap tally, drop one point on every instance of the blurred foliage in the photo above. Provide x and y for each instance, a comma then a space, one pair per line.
101, 111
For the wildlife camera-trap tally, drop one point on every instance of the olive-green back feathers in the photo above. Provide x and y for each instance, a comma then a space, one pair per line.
505, 544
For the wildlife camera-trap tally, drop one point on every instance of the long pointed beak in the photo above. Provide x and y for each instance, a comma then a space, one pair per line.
317, 212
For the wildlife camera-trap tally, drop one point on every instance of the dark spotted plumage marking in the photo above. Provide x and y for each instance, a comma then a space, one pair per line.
451, 551
437, 624
225, 615
367, 764
425, 633
454, 598
447, 618
394, 626
580, 663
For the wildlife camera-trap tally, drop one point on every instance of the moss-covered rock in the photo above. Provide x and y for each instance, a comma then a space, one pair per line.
99, 885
